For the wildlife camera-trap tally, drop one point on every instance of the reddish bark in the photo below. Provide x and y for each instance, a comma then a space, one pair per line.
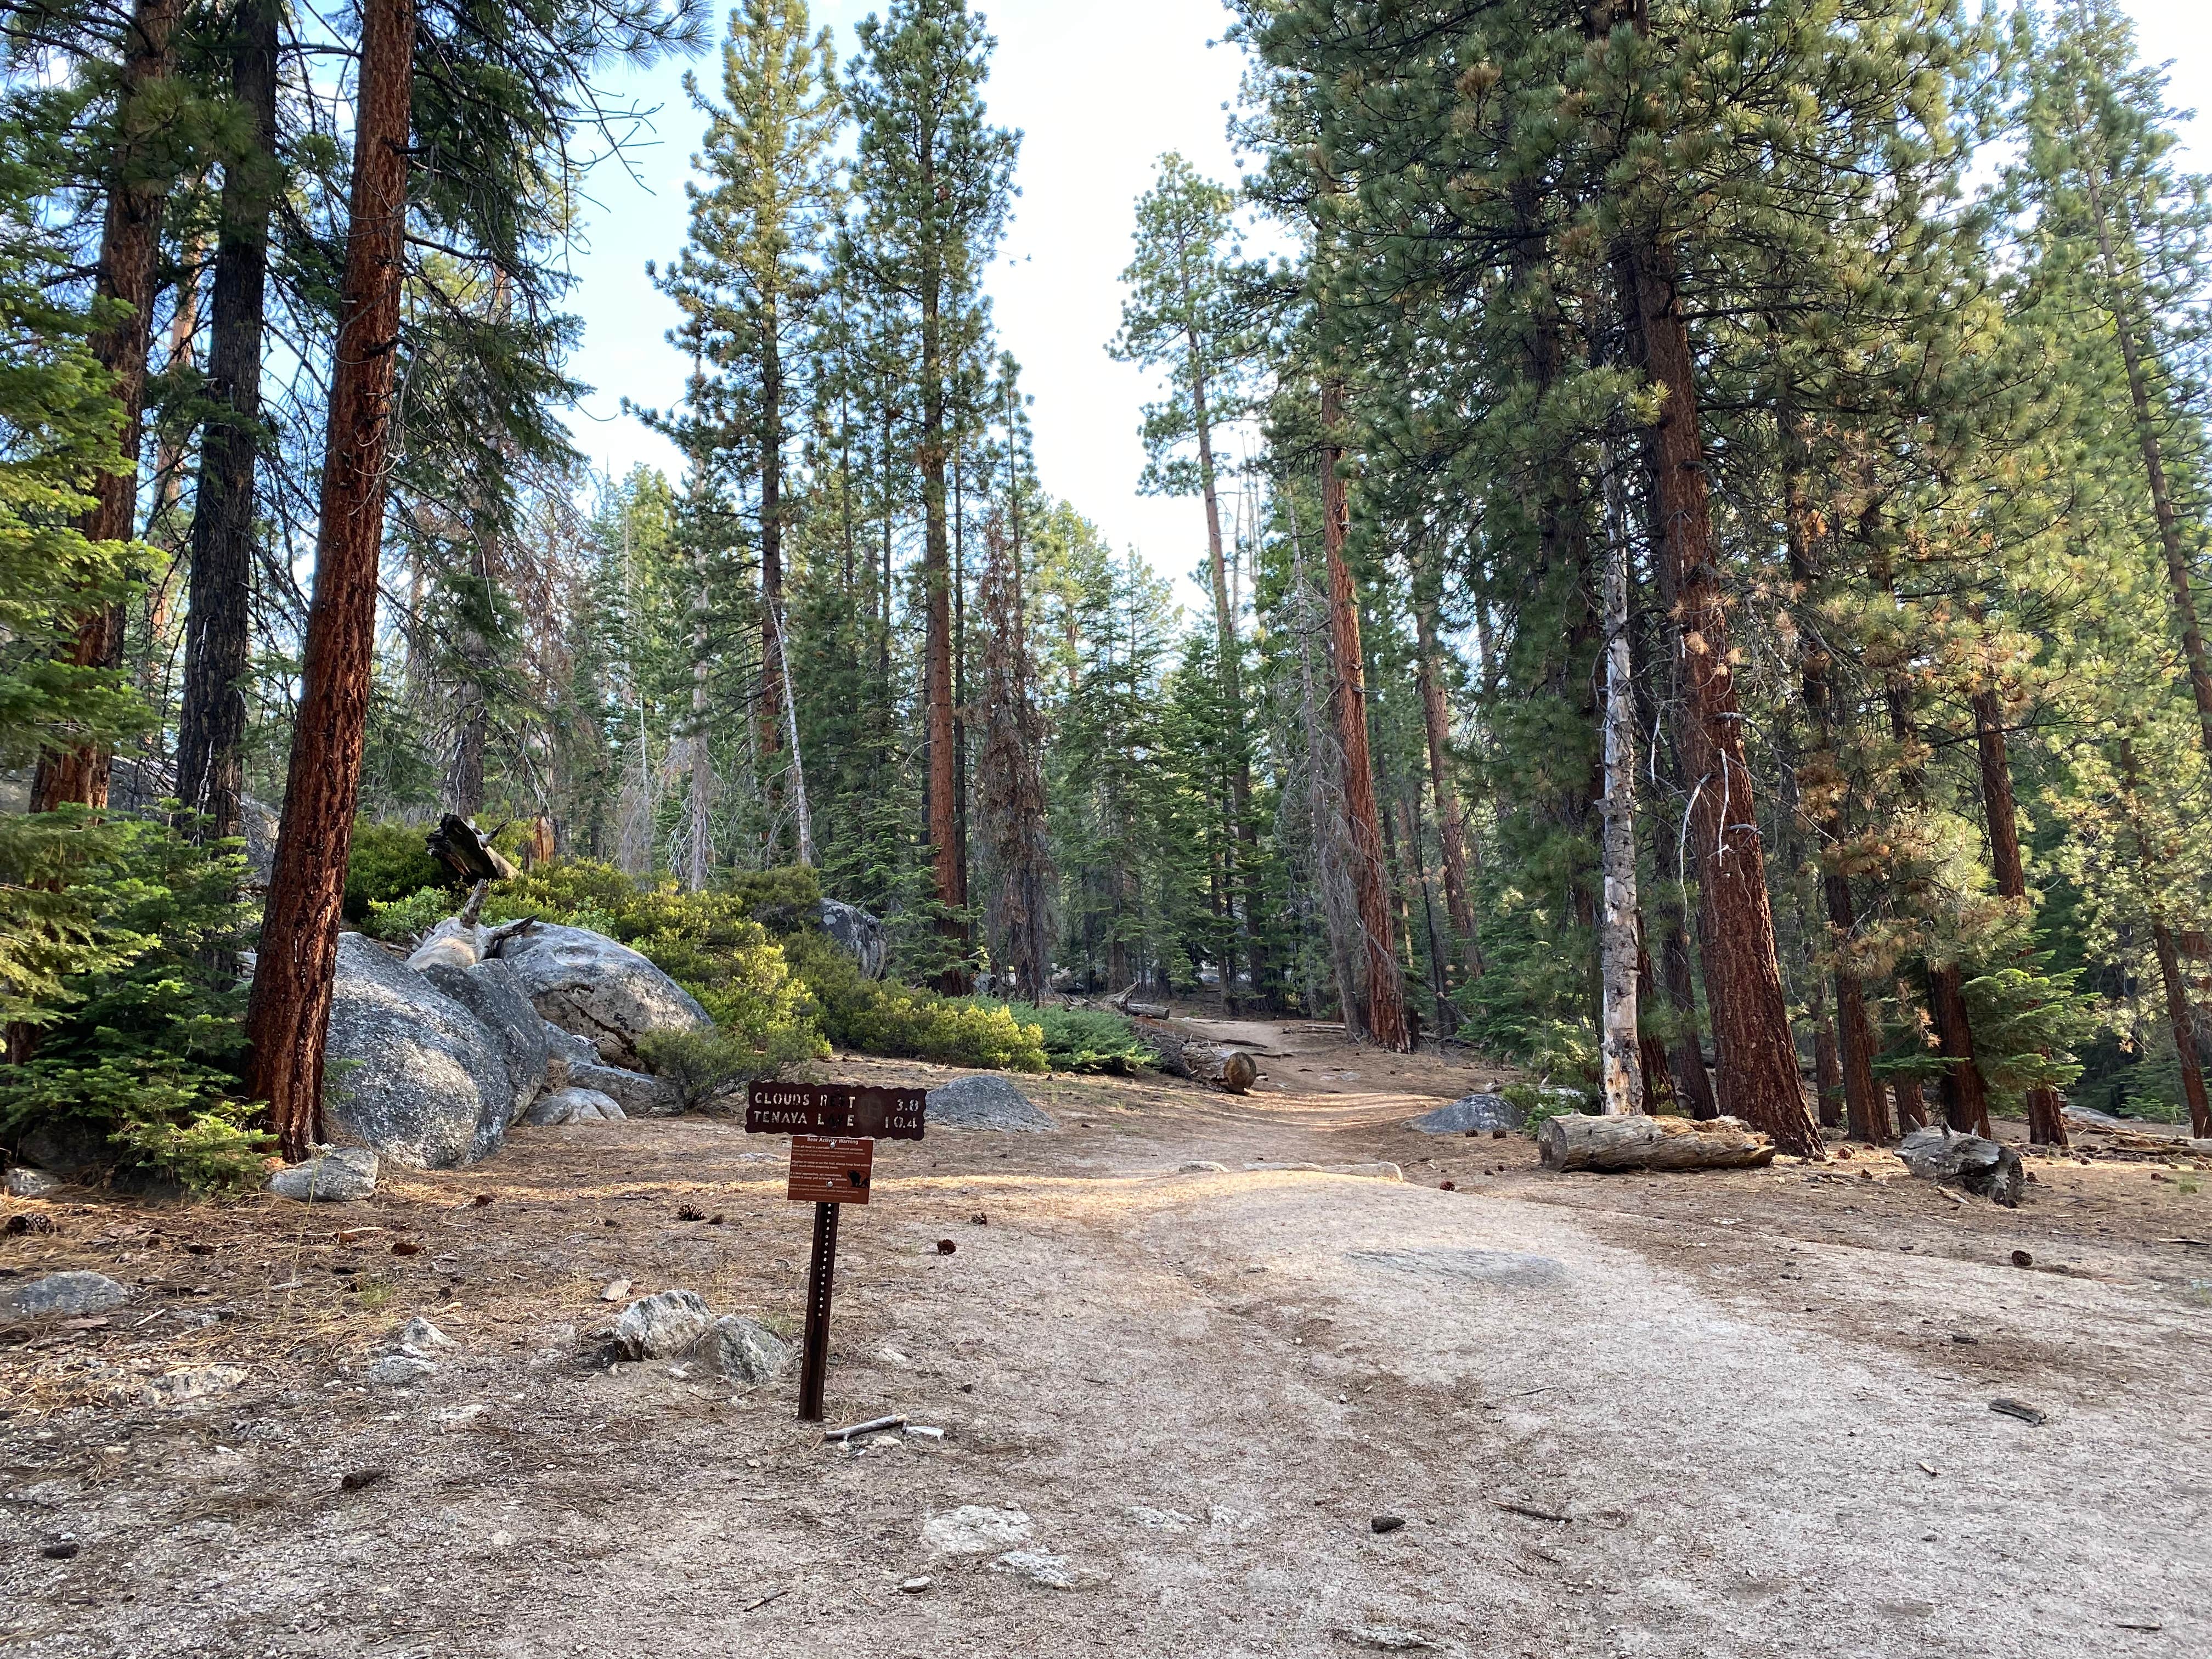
1965, 1092
130, 241
1866, 1112
2184, 1030
1758, 1075
288, 1018
1912, 1110
1386, 993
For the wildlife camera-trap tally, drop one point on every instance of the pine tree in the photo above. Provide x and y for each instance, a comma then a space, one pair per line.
750, 281
933, 177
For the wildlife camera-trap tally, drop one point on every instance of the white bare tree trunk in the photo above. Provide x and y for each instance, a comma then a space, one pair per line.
1617, 941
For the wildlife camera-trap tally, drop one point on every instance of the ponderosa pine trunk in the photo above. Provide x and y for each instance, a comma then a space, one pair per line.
218, 618
1966, 1093
1385, 1011
2177, 1012
1866, 1112
2046, 1118
1758, 1079
130, 244
288, 1021
2185, 1029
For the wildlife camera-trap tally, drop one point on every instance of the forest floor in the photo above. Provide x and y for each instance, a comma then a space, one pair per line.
1722, 1414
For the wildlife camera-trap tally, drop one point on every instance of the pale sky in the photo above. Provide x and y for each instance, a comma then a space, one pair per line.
1098, 94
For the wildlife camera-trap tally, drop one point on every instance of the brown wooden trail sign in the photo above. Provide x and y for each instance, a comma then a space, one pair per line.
833, 1128
822, 1109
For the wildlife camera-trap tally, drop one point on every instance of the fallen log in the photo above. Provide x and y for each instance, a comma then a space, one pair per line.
1122, 1004
467, 850
1226, 1068
1574, 1140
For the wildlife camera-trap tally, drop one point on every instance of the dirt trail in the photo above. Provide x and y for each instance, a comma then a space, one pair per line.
1199, 1386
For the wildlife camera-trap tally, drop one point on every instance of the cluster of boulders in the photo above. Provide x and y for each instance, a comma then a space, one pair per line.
679, 1324
435, 1057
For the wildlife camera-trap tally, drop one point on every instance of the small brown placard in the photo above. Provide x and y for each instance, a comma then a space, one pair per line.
803, 1108
831, 1169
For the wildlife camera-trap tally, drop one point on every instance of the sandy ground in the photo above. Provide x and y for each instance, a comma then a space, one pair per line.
1719, 1415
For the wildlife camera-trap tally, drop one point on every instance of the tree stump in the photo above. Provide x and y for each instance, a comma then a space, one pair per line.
467, 850
1574, 1140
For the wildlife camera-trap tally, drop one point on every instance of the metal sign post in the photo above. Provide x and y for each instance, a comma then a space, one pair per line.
828, 1168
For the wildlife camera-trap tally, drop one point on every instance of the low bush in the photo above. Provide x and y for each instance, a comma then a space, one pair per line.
878, 1018
1080, 1039
389, 862
403, 920
701, 1064
117, 943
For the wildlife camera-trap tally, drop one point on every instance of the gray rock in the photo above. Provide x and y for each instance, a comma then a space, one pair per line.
1469, 1112
640, 1094
63, 1295
347, 1174
588, 983
984, 1101
421, 1338
859, 935
1040, 1567
743, 1351
400, 1371
975, 1530
492, 991
66, 1146
432, 1088
661, 1326
24, 1182
573, 1105
566, 1051
194, 1382
1940, 1154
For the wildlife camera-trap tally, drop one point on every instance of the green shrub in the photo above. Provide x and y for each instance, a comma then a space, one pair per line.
1538, 1105
403, 920
786, 901
1080, 1039
389, 862
701, 1063
877, 1017
120, 937
706, 942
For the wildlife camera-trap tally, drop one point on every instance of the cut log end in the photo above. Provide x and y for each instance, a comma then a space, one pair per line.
1574, 1141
